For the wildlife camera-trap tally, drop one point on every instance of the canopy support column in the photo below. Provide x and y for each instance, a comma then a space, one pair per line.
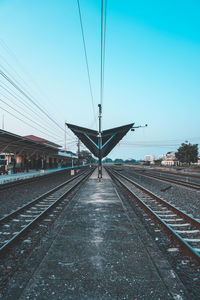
100, 144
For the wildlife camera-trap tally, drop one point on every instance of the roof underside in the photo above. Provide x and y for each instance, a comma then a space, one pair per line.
87, 136
41, 140
12, 143
110, 138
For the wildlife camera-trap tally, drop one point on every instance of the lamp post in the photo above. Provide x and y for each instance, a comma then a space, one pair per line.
100, 144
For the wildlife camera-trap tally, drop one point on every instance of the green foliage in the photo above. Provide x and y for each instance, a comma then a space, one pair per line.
118, 161
187, 153
158, 162
86, 156
130, 161
107, 160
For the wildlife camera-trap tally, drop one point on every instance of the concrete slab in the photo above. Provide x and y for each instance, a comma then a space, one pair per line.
26, 175
98, 254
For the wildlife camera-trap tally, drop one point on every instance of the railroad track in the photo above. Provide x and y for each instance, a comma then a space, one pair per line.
17, 182
179, 225
16, 224
190, 185
189, 175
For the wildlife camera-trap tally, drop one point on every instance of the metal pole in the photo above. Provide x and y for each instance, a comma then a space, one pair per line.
65, 137
100, 144
78, 151
3, 122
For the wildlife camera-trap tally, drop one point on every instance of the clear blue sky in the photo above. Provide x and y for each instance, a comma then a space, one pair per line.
152, 69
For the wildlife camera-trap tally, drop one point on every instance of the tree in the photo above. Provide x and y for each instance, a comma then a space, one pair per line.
130, 161
86, 156
187, 153
107, 160
118, 161
158, 162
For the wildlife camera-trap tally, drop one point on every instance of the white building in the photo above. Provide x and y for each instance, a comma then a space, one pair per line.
149, 158
170, 159
162, 157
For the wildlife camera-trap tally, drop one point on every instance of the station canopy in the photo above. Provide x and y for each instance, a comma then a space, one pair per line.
13, 143
110, 138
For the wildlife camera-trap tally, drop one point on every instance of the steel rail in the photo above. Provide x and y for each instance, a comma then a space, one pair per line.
24, 230
187, 247
190, 185
194, 174
177, 173
34, 201
14, 183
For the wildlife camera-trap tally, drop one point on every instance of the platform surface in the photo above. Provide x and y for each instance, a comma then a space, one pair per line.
98, 254
26, 175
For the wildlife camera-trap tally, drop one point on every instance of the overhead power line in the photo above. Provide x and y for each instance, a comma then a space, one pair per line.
152, 144
101, 66
14, 56
28, 108
27, 85
21, 120
10, 89
148, 146
39, 125
29, 98
86, 57
103, 47
28, 118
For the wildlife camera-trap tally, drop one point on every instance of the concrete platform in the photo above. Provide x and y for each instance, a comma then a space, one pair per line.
98, 254
26, 175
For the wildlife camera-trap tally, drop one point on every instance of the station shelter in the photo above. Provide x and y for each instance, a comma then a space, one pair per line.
31, 152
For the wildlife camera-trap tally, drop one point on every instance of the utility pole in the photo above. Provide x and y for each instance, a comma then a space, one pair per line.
3, 122
100, 144
78, 151
65, 137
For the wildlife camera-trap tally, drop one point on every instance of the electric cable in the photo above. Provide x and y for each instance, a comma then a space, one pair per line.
13, 55
101, 55
20, 119
29, 98
24, 103
86, 57
104, 45
16, 96
16, 110
47, 129
103, 48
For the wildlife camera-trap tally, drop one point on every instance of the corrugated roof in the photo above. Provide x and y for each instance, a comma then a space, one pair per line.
41, 140
13, 143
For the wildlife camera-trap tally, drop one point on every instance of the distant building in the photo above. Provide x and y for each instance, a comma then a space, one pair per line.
162, 157
170, 159
149, 158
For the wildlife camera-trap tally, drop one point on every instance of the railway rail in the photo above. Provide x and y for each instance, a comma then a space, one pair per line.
186, 174
16, 224
14, 183
182, 227
190, 185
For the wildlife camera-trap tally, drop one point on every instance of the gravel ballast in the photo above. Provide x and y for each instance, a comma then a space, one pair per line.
16, 196
183, 198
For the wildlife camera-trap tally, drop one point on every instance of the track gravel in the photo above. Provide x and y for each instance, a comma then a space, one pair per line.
183, 198
16, 196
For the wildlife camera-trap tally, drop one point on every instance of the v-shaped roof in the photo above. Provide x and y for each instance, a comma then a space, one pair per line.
110, 138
